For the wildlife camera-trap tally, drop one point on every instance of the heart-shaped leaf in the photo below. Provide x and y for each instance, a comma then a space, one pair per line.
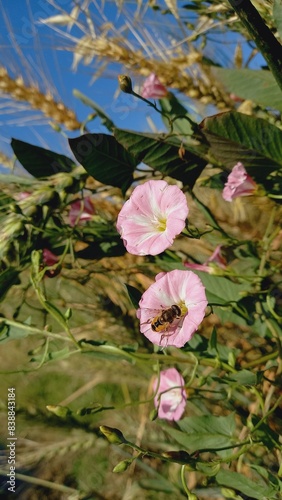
236, 137
242, 82
105, 159
164, 155
40, 162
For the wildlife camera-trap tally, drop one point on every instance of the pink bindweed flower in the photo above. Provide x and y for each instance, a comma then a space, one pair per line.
81, 211
22, 195
239, 183
49, 258
152, 217
172, 308
216, 259
153, 88
170, 398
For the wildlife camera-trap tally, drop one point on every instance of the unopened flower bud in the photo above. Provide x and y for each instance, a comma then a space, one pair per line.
153, 414
113, 435
125, 84
193, 497
122, 466
60, 411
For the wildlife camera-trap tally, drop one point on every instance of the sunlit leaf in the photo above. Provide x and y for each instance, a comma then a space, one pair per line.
244, 377
205, 432
236, 137
163, 155
243, 81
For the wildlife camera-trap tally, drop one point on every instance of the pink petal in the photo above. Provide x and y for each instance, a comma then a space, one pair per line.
49, 258
239, 183
179, 288
81, 210
152, 217
153, 88
171, 396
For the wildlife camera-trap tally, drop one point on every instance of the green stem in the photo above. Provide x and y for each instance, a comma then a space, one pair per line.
266, 42
230, 458
153, 105
261, 361
209, 216
31, 330
265, 417
190, 495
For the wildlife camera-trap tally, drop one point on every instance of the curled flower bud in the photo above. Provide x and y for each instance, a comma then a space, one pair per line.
60, 411
113, 435
125, 84
122, 466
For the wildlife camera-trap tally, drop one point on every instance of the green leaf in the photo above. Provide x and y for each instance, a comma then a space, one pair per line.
53, 356
40, 162
222, 291
245, 485
213, 340
264, 433
242, 82
236, 137
244, 377
13, 332
277, 16
105, 159
8, 278
134, 295
105, 119
206, 432
163, 155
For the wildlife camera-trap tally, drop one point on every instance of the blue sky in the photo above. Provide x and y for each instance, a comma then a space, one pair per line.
32, 49
40, 61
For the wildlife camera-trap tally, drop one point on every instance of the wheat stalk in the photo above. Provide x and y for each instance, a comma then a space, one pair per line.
18, 90
184, 72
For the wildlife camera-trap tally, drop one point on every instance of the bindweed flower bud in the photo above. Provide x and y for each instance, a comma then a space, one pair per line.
125, 84
123, 466
193, 497
113, 435
153, 414
60, 411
